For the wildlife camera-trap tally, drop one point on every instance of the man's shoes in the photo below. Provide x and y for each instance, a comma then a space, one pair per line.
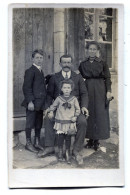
30, 147
37, 144
47, 152
78, 157
39, 147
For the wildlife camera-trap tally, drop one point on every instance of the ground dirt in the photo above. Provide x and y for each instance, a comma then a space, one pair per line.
105, 158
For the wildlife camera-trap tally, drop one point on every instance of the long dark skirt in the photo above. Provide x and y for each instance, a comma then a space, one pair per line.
98, 121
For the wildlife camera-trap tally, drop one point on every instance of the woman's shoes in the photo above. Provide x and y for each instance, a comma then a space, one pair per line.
92, 144
89, 144
96, 145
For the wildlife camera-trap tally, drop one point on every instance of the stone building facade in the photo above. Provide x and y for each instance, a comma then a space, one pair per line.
58, 31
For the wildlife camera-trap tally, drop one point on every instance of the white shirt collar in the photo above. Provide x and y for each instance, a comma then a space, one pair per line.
68, 74
39, 67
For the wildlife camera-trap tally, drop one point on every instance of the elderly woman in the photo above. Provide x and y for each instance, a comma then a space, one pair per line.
97, 78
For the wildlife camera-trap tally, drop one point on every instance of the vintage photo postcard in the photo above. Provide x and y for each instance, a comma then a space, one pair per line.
65, 89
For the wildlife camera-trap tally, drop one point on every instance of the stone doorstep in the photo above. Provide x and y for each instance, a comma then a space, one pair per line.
20, 137
19, 123
25, 159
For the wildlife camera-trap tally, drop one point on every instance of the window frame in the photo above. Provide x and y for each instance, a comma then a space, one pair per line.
96, 14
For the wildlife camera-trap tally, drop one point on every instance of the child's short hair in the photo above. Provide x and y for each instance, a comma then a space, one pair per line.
40, 51
67, 81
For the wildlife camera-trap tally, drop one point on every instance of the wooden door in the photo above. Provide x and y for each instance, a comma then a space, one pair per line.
32, 29
75, 36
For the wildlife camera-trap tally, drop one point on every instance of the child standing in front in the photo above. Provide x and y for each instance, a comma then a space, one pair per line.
67, 110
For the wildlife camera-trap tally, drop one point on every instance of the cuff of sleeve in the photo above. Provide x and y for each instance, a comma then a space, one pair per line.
77, 114
50, 109
85, 106
30, 100
109, 90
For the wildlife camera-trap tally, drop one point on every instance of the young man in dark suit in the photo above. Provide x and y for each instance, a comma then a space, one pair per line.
80, 91
34, 90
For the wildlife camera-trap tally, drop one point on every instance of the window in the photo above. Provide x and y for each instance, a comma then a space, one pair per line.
100, 26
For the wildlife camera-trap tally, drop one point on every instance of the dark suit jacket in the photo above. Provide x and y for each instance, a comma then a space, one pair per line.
34, 88
80, 90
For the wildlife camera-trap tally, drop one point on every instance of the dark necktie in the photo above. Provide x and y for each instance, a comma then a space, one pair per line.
66, 76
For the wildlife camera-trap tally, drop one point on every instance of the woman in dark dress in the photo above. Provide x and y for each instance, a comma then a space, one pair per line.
97, 78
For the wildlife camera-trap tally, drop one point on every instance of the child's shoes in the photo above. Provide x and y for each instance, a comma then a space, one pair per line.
60, 155
68, 158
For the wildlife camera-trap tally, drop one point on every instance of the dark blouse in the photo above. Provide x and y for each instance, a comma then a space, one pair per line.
96, 70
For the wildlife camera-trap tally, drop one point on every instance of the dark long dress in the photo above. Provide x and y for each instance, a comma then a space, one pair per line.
97, 79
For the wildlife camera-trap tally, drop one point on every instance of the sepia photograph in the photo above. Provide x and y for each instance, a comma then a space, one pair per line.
65, 88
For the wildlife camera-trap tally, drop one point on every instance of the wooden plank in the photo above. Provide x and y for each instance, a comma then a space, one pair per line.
48, 40
15, 59
66, 28
40, 28
43, 27
19, 56
34, 30
81, 35
44, 39
37, 28
28, 37
76, 35
70, 33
